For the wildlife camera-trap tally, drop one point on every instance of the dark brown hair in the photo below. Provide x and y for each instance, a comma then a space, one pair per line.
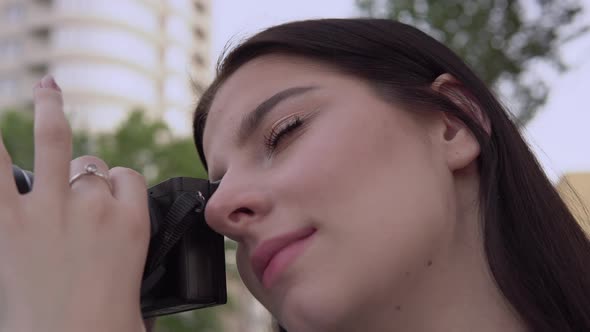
537, 252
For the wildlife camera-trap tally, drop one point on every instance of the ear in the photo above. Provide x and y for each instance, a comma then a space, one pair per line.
461, 146
449, 86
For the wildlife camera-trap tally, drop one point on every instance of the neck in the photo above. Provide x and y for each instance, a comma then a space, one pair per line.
458, 294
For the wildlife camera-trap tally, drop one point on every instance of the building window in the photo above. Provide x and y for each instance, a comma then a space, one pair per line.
14, 12
39, 69
41, 34
8, 87
198, 60
48, 2
10, 49
200, 7
199, 33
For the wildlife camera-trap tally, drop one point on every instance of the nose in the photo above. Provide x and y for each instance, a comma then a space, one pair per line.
235, 207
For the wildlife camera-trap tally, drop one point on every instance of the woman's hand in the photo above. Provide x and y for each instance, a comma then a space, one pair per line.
71, 257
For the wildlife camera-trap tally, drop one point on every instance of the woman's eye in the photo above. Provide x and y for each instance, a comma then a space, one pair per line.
280, 131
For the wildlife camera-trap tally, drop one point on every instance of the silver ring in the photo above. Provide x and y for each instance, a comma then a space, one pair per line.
91, 169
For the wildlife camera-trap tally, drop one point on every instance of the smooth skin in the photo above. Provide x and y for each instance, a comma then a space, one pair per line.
391, 192
72, 257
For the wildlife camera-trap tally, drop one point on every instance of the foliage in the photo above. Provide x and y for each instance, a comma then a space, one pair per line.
148, 147
500, 39
202, 320
17, 132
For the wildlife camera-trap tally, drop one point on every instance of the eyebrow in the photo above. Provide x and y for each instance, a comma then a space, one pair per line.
252, 120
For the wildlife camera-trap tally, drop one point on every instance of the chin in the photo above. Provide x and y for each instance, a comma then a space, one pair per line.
316, 307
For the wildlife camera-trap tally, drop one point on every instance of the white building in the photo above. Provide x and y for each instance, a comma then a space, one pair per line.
109, 56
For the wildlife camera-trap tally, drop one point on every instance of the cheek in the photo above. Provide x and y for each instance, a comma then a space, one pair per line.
246, 274
350, 160
391, 199
325, 157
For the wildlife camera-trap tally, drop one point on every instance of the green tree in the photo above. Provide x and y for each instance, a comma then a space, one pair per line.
501, 39
17, 133
178, 157
148, 147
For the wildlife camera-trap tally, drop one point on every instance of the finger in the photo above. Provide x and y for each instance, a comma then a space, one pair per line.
130, 190
53, 139
129, 186
149, 324
81, 182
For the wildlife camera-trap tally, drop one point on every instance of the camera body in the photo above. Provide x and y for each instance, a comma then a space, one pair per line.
185, 266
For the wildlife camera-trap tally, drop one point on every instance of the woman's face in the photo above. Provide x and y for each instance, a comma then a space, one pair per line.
338, 200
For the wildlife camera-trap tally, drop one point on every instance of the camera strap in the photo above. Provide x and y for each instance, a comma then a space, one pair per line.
171, 230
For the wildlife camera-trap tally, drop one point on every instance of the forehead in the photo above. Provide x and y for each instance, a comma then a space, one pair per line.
253, 83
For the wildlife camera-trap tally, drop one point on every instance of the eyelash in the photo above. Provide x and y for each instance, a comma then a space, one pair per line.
283, 129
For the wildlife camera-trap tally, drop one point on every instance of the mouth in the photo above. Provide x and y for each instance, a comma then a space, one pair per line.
273, 256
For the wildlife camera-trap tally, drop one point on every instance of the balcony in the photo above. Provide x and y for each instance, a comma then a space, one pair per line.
37, 53
202, 11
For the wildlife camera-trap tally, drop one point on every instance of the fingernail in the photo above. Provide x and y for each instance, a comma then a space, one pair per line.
49, 82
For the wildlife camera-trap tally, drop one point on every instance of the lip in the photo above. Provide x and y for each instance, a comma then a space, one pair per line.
267, 250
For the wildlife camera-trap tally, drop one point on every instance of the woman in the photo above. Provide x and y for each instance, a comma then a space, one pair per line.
371, 181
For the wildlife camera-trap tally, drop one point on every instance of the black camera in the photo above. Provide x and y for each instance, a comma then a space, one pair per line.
185, 266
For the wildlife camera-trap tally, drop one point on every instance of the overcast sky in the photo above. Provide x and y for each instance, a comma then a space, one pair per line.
559, 134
